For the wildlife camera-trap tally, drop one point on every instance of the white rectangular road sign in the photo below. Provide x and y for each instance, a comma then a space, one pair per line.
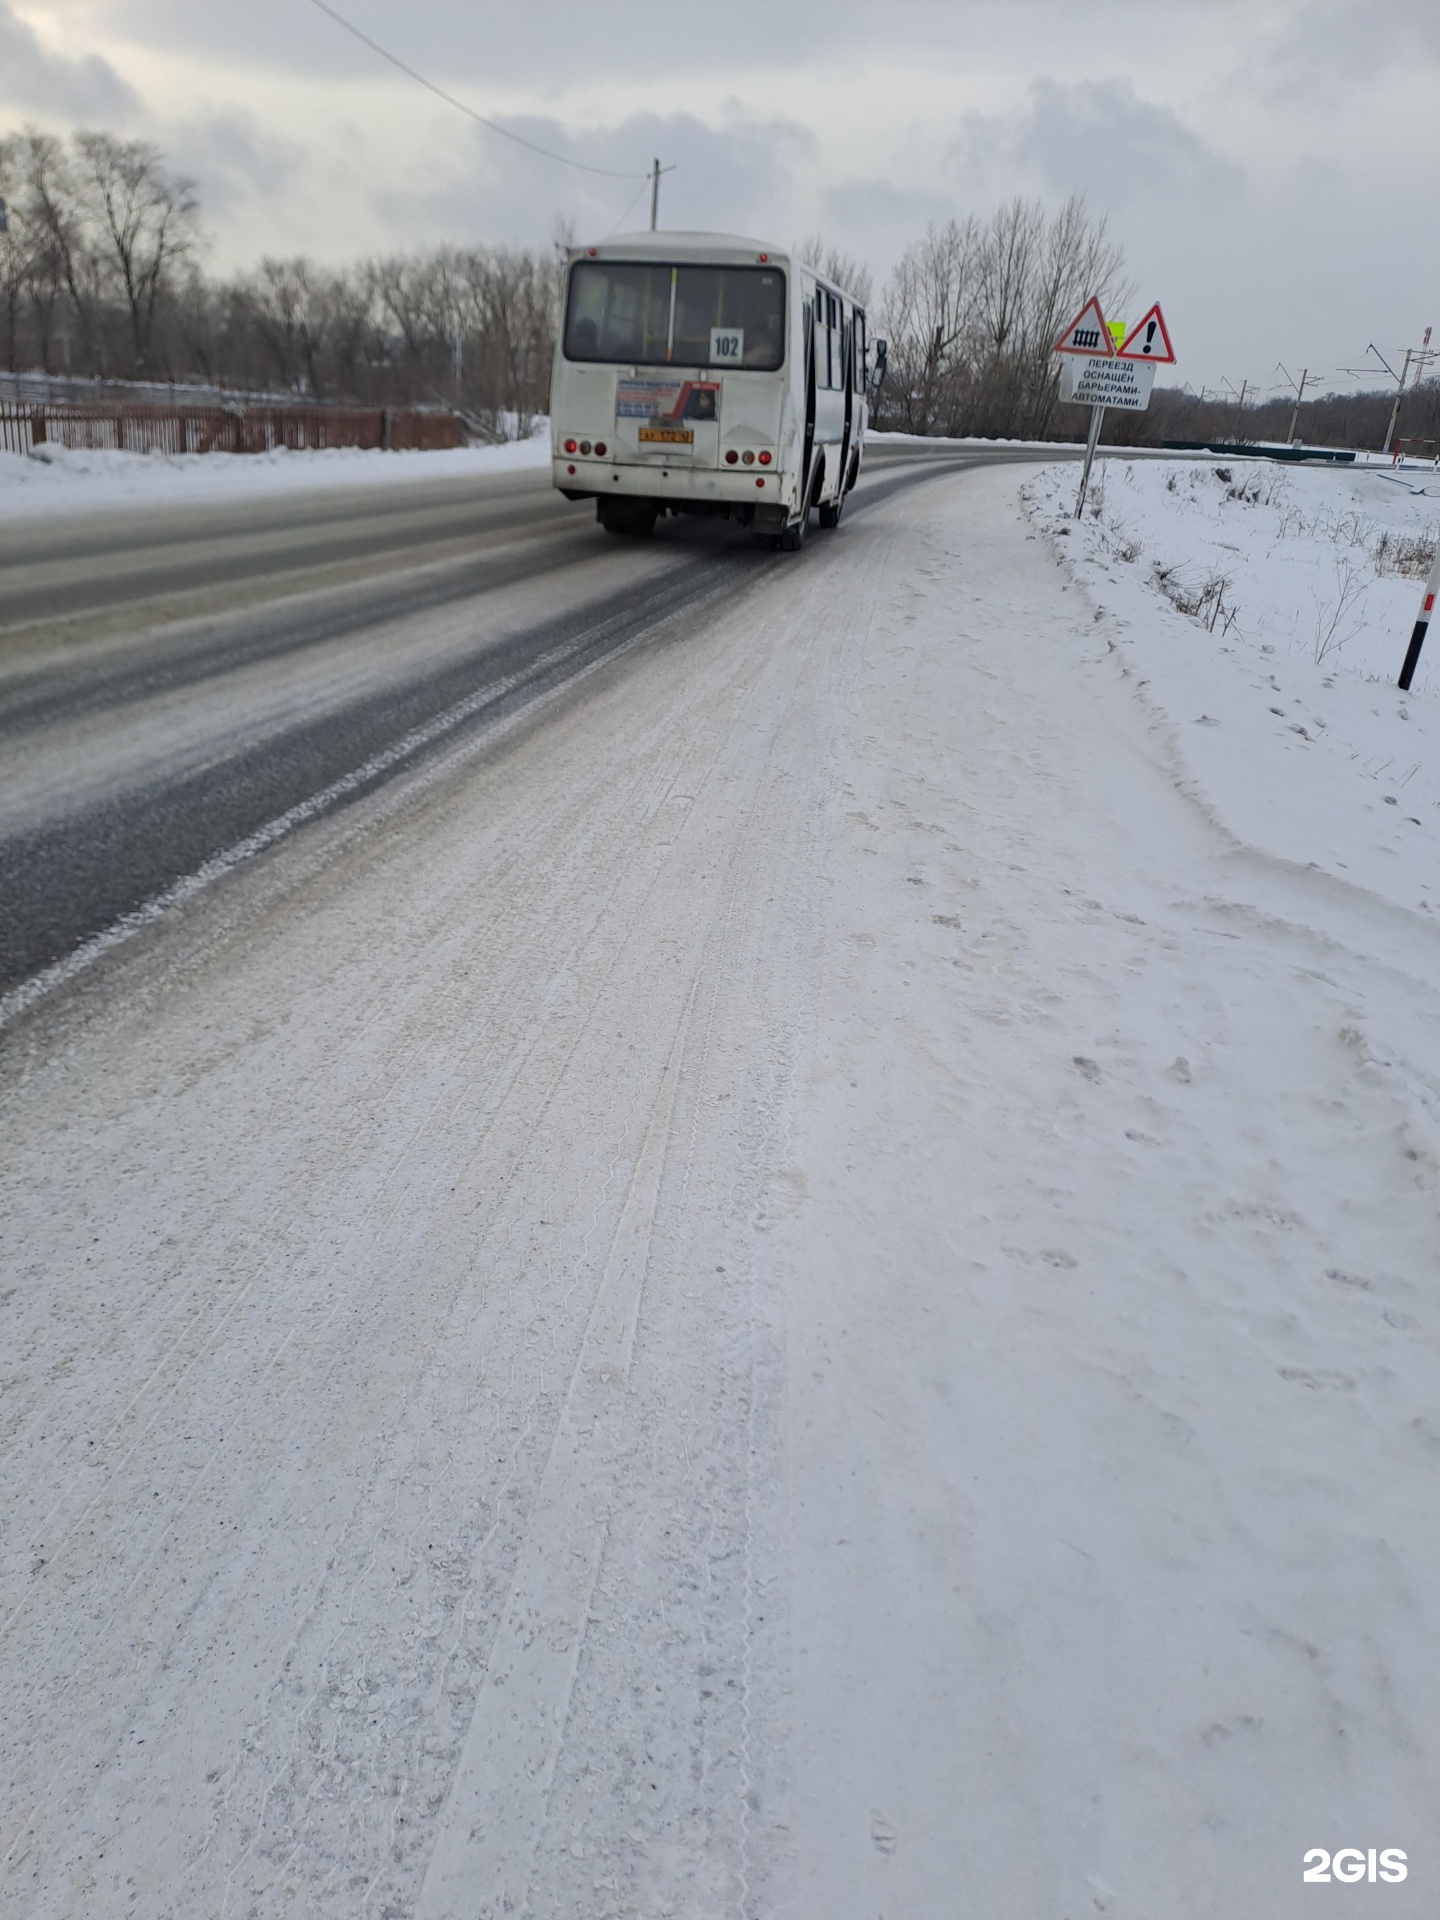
1107, 382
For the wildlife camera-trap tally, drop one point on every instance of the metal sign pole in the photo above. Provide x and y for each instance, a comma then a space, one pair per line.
1097, 414
1417, 638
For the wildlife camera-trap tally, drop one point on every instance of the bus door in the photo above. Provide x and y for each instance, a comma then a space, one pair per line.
811, 311
847, 376
860, 351
830, 409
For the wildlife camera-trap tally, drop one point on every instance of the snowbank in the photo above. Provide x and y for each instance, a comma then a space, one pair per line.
59, 480
1265, 612
933, 441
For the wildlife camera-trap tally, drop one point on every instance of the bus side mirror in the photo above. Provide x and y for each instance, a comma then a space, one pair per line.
877, 372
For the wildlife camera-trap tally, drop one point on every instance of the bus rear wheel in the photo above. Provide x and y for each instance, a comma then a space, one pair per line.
620, 516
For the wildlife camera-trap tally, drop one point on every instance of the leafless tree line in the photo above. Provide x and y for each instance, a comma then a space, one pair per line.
95, 234
972, 313
1329, 420
101, 277
472, 328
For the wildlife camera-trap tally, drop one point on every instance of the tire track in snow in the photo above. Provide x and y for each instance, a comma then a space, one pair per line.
483, 1856
535, 1032
301, 1814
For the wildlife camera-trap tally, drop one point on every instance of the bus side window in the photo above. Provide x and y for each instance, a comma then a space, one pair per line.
836, 376
822, 341
857, 359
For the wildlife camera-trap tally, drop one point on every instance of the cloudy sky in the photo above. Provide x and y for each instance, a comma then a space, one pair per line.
1270, 168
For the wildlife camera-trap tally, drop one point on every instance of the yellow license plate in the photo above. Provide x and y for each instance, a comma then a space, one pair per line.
669, 436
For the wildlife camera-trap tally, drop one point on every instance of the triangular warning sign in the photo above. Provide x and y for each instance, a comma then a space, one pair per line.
1086, 333
1150, 340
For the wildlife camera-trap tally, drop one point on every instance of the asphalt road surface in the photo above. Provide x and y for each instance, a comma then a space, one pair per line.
179, 688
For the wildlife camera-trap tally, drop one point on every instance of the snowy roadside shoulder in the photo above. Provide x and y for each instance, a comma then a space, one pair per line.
61, 480
1265, 611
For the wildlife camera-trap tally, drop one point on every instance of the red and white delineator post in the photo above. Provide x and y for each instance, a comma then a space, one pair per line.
1417, 638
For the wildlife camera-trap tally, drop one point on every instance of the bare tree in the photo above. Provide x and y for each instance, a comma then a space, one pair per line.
14, 251
61, 265
515, 309
350, 331
401, 288
1076, 258
288, 308
926, 314
851, 274
148, 217
972, 312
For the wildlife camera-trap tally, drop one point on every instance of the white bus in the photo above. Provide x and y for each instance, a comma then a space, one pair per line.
705, 373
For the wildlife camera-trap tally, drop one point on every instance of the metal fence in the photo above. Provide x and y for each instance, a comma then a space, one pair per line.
182, 429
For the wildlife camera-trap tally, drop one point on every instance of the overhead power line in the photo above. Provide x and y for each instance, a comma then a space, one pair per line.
581, 166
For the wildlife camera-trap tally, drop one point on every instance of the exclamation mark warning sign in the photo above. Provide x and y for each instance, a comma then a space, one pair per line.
1149, 340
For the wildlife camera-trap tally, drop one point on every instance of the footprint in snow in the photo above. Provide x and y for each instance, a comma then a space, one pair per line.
883, 1834
1344, 1279
1321, 1377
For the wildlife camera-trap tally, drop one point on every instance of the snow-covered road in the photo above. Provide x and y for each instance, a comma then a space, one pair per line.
796, 1285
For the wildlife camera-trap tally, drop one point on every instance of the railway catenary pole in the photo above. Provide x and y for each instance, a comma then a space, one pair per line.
655, 194
1299, 396
1399, 395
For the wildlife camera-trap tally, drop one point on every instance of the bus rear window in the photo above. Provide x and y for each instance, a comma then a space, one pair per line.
648, 314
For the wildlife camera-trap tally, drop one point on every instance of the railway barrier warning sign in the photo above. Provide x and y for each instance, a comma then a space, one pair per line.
1087, 332
1099, 371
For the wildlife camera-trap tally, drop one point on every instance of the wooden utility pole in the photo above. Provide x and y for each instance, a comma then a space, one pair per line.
655, 195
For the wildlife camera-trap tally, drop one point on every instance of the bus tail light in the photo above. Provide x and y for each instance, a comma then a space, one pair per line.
600, 448
764, 459
731, 457
570, 446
